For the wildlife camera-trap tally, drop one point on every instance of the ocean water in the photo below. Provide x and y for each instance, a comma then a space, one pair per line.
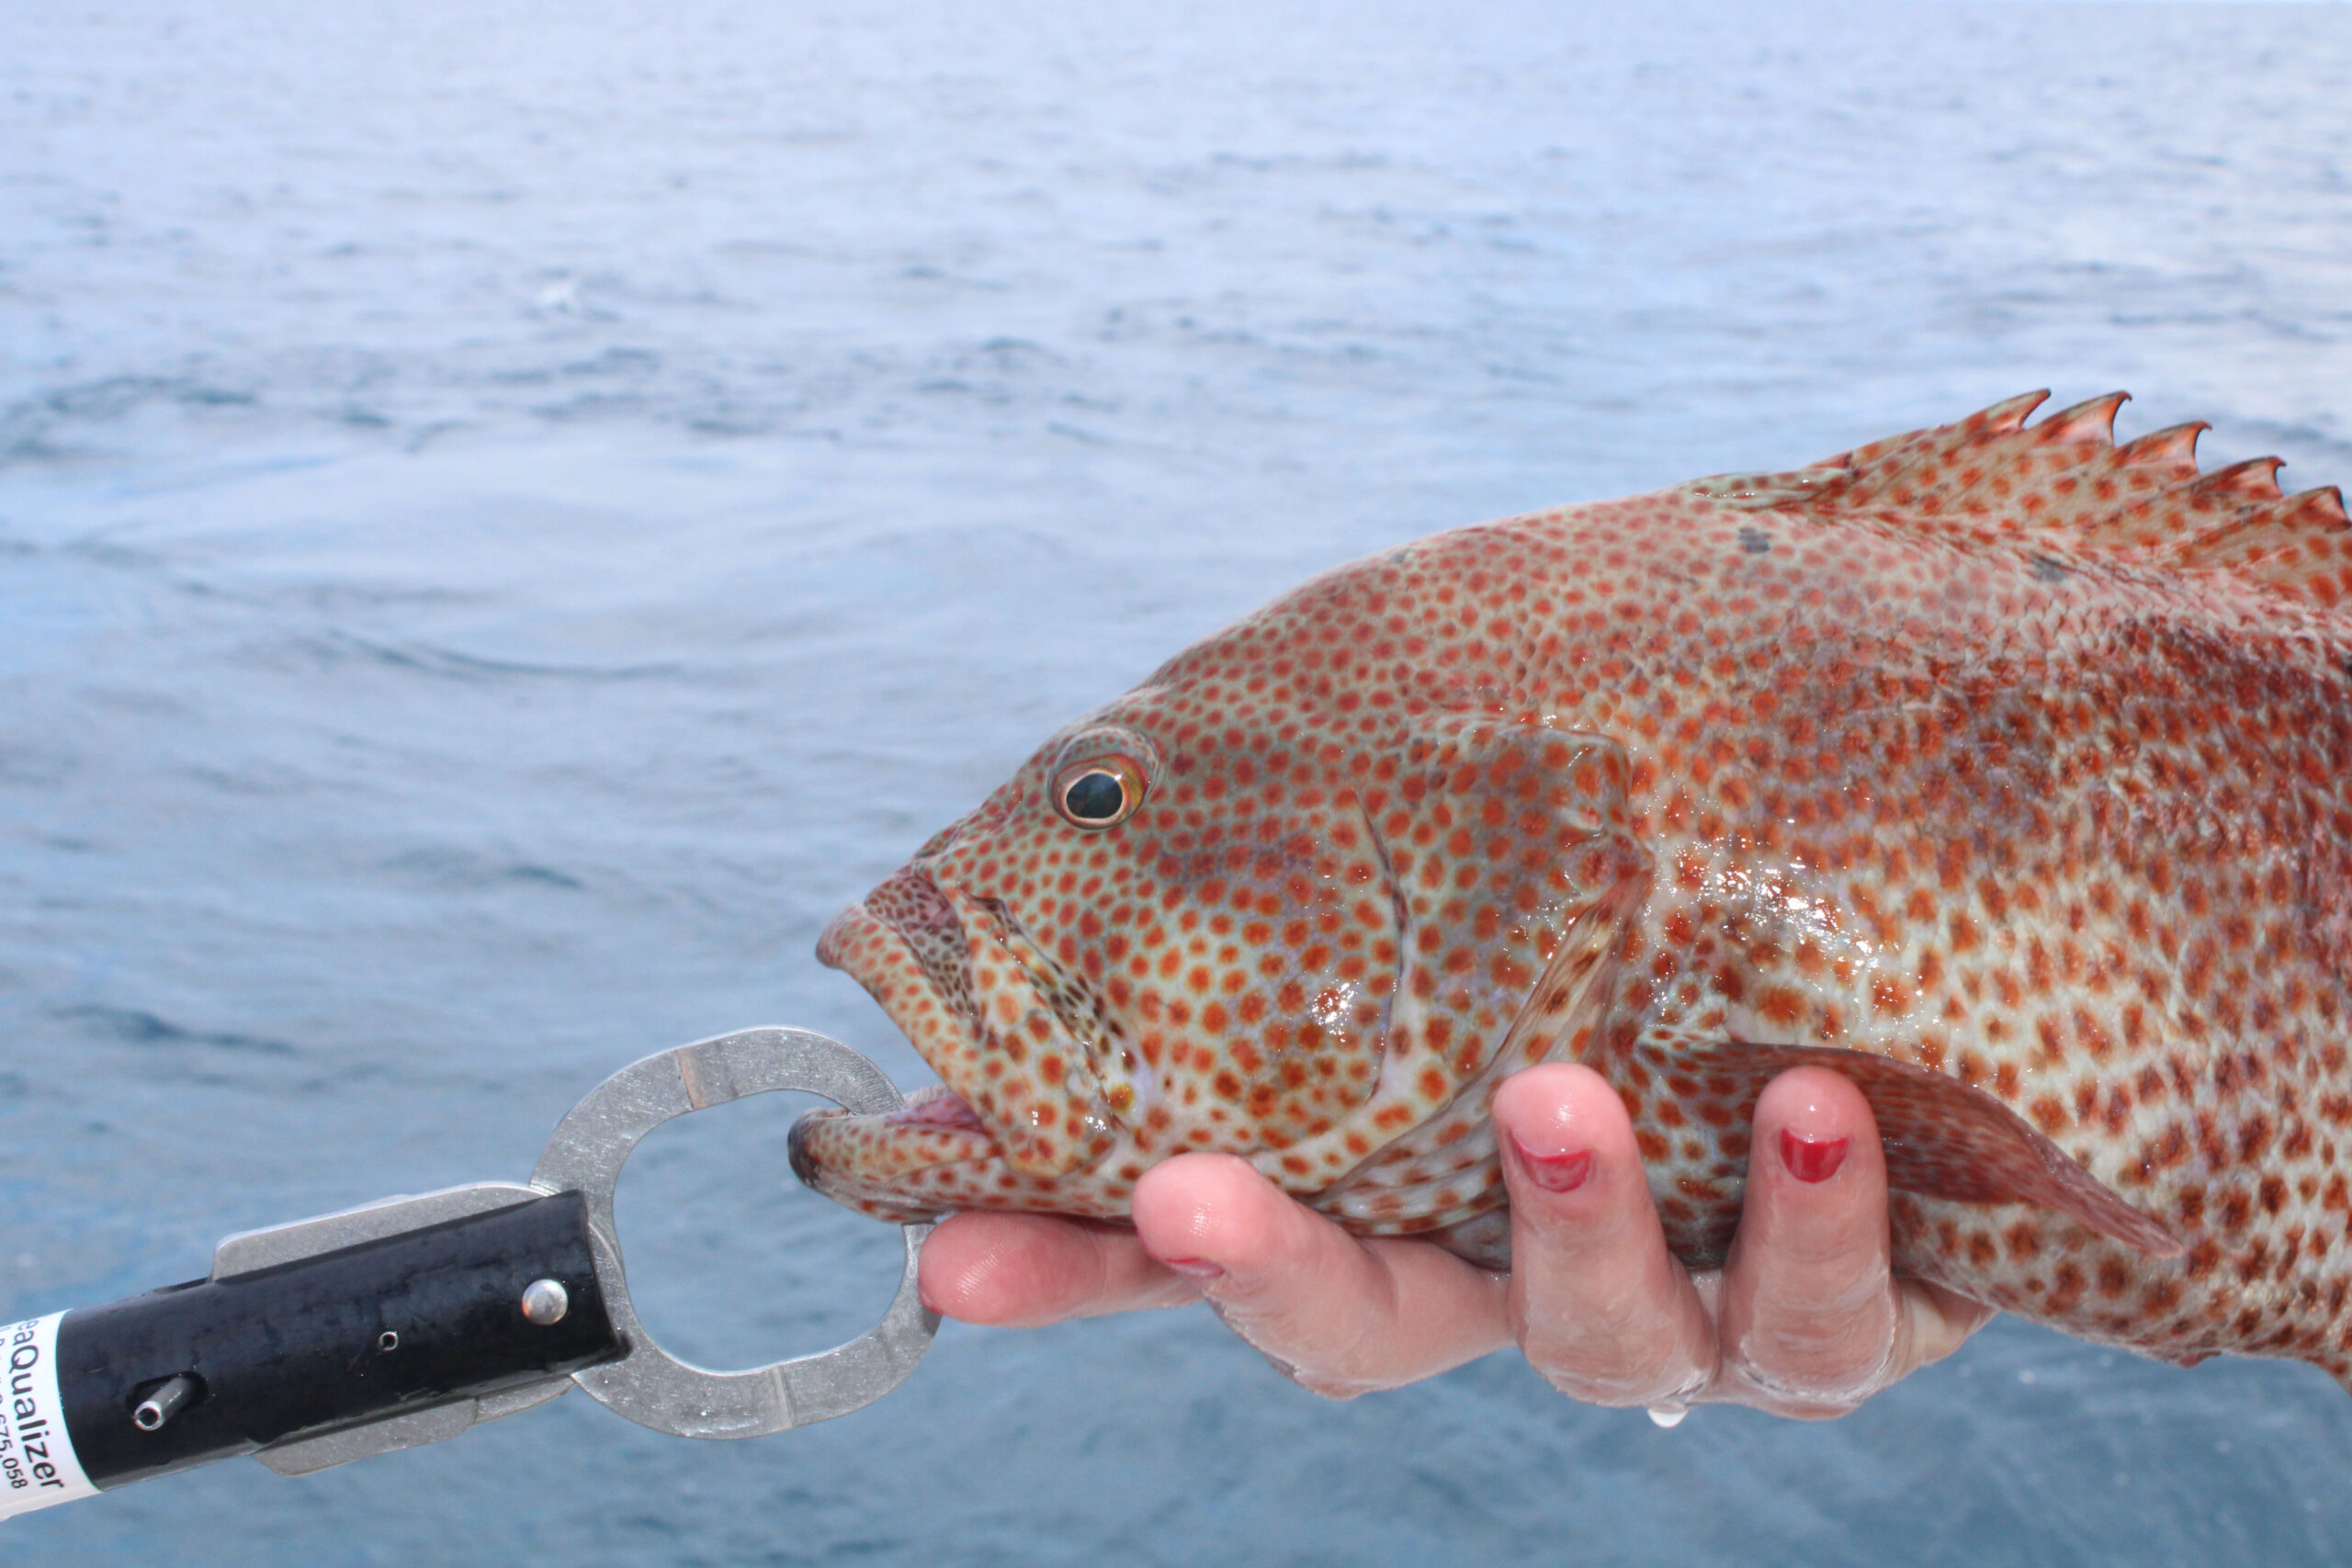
511, 515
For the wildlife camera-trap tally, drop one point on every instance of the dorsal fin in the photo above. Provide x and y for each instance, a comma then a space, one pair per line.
2066, 485
2304, 538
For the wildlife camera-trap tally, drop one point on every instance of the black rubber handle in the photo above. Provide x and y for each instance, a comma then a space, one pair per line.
344, 1337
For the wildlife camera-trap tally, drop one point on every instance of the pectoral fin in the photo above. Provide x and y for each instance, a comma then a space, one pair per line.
1943, 1139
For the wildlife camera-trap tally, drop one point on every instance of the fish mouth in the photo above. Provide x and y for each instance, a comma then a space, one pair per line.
1018, 1107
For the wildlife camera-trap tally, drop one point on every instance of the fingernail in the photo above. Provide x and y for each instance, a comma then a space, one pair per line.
1555, 1173
1812, 1159
1195, 1267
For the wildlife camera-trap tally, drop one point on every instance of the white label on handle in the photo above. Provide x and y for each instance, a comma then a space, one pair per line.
37, 1462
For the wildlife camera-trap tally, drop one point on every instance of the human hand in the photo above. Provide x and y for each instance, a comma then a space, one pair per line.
1803, 1319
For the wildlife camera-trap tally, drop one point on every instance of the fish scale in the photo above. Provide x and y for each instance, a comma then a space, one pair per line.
1996, 766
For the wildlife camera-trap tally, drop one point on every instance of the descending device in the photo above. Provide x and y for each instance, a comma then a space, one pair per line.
410, 1320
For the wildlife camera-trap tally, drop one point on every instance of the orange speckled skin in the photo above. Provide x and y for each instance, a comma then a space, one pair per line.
1999, 766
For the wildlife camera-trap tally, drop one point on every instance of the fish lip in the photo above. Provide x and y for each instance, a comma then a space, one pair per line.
880, 1197
933, 1109
804, 1168
933, 1106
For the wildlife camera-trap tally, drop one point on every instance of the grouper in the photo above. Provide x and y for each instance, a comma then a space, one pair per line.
2004, 769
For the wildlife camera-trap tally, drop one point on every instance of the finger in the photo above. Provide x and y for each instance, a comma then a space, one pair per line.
1340, 1316
1601, 1309
1810, 1314
1026, 1270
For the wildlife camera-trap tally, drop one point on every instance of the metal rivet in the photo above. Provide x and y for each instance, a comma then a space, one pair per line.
387, 1340
546, 1302
159, 1406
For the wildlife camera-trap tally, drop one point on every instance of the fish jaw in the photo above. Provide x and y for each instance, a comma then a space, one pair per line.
866, 1163
1018, 1120
932, 1155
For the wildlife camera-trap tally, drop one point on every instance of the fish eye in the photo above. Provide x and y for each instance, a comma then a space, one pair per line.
1100, 792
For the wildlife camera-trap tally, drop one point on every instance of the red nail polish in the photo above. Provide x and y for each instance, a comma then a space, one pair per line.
1194, 1267
1555, 1173
1812, 1159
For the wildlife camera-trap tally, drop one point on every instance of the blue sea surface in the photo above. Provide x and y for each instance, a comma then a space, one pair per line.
511, 515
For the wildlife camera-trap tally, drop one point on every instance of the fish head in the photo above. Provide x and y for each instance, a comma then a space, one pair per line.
1239, 909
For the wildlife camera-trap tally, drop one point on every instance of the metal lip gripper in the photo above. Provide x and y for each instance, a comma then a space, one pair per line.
413, 1319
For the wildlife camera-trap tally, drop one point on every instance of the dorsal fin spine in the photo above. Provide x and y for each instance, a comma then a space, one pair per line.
2177, 442
2008, 415
2324, 503
2091, 419
2257, 477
